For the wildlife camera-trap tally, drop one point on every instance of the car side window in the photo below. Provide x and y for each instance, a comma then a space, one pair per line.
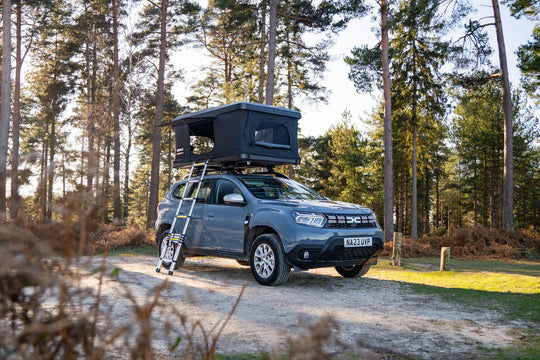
224, 187
179, 191
201, 196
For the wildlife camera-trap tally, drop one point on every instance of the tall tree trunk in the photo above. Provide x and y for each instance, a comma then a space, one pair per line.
388, 163
44, 172
508, 185
126, 171
427, 203
414, 194
272, 38
91, 169
485, 191
129, 129
262, 57
437, 199
6, 103
14, 208
105, 189
117, 203
156, 136
475, 194
51, 169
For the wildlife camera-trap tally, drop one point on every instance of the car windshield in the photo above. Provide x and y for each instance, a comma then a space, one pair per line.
279, 189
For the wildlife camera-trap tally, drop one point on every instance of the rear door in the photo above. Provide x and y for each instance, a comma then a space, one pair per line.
196, 236
224, 223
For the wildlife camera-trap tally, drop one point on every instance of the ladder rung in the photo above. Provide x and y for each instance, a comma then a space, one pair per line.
182, 216
188, 199
198, 164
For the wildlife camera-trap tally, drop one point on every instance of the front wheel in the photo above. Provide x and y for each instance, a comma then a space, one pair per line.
267, 261
352, 271
168, 251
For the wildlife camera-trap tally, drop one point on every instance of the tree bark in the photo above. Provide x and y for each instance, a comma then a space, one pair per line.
52, 166
414, 195
14, 208
271, 53
388, 163
263, 53
427, 203
117, 203
6, 103
156, 135
437, 199
91, 158
508, 184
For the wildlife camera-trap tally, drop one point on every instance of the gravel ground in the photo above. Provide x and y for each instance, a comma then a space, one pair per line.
369, 317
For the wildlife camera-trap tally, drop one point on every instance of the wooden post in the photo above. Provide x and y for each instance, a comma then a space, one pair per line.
445, 258
396, 251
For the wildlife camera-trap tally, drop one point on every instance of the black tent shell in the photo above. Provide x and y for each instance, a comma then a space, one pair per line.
239, 135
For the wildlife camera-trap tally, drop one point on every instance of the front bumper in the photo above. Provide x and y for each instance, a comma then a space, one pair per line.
333, 253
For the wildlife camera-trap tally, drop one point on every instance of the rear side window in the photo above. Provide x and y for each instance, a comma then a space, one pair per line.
179, 191
201, 196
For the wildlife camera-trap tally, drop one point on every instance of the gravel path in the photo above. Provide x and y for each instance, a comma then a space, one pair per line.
366, 316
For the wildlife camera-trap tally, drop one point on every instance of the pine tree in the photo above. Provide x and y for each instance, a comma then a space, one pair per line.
6, 103
171, 21
52, 86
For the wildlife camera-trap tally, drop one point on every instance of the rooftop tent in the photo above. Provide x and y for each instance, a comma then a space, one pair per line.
240, 134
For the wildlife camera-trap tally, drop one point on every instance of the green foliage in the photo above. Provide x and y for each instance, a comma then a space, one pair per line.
478, 135
235, 35
529, 64
343, 165
528, 8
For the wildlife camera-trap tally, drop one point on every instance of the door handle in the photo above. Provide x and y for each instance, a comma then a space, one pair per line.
211, 216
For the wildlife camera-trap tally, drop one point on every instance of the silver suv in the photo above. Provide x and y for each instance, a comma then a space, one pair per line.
272, 224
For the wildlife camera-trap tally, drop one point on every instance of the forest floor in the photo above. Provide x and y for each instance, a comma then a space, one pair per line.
315, 314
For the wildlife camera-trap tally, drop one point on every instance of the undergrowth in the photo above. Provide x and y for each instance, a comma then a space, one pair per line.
474, 243
51, 309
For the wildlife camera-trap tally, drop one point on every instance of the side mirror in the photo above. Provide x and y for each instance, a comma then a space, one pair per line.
234, 199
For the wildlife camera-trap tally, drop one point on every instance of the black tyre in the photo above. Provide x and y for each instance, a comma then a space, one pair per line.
168, 252
267, 261
352, 271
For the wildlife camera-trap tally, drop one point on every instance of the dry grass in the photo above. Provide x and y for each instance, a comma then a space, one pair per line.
474, 243
46, 311
90, 239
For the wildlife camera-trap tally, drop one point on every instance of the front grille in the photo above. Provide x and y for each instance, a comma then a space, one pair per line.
351, 221
340, 253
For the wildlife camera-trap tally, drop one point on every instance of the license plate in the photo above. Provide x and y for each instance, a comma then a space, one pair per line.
358, 241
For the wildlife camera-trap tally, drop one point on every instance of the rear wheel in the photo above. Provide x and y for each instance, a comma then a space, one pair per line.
267, 261
352, 271
168, 251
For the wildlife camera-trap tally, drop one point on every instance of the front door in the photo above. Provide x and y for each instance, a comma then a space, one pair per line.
224, 223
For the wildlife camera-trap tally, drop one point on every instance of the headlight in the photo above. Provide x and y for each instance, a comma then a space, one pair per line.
309, 219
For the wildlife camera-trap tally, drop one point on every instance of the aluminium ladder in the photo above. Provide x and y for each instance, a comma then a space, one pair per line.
176, 240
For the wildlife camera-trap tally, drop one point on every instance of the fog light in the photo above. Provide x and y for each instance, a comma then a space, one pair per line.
306, 254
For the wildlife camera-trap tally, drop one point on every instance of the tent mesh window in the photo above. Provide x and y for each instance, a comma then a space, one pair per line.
270, 134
